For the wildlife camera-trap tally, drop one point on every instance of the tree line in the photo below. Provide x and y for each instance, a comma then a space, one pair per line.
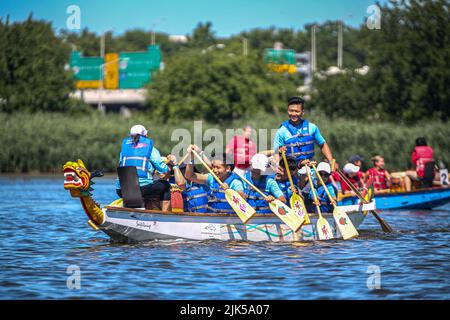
407, 80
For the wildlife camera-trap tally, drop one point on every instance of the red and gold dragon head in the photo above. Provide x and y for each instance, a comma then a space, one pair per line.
77, 178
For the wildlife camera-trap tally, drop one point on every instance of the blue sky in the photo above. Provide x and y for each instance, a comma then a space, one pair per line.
180, 17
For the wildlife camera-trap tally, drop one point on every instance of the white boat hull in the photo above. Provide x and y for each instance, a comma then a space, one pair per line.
134, 225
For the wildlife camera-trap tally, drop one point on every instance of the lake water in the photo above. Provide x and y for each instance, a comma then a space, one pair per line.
43, 231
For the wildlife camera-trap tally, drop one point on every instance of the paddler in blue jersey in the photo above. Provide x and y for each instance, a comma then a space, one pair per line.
138, 150
282, 180
195, 196
217, 202
324, 202
299, 136
265, 183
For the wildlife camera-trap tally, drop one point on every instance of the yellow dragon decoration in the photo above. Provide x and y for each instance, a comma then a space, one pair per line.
77, 179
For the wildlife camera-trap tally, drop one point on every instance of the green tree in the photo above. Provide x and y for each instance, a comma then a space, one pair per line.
202, 36
35, 78
216, 86
409, 75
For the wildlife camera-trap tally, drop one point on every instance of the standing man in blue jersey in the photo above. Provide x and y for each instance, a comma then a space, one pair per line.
138, 150
298, 136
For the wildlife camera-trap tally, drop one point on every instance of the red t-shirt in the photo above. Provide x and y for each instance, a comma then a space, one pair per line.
243, 150
354, 181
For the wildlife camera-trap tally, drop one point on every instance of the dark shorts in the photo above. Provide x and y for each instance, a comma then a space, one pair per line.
157, 191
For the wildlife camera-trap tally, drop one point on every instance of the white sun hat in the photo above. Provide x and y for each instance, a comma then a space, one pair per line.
138, 129
350, 168
302, 170
259, 161
323, 166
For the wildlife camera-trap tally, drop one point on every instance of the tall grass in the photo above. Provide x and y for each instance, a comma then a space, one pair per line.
44, 142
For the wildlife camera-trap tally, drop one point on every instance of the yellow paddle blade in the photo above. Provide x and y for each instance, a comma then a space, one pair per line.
286, 214
344, 224
323, 229
239, 205
298, 206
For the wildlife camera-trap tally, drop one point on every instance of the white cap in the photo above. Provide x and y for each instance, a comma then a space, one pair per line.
323, 166
302, 170
138, 129
350, 168
259, 161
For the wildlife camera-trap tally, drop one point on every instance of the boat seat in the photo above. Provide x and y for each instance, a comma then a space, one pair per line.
129, 185
428, 175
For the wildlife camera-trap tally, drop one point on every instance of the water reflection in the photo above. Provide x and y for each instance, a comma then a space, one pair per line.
45, 231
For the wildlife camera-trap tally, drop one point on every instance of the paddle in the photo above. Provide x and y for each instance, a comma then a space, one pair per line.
282, 211
343, 222
384, 225
296, 201
183, 159
239, 205
323, 227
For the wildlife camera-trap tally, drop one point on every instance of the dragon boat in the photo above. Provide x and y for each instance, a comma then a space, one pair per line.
133, 225
420, 199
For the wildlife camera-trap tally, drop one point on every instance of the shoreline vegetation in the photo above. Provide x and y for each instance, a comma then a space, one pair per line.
41, 143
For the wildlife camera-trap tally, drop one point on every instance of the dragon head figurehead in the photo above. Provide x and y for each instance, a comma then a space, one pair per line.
77, 178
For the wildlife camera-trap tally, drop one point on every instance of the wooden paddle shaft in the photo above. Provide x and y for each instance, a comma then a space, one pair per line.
324, 186
183, 159
288, 171
311, 184
356, 191
384, 225
208, 168
251, 185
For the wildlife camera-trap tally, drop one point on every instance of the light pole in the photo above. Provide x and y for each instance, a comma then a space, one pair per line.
340, 45
313, 49
154, 24
245, 46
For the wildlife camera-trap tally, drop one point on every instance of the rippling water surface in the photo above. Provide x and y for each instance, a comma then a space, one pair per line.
43, 231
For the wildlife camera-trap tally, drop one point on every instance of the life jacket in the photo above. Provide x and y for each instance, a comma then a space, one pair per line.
217, 202
424, 155
138, 155
378, 177
325, 204
195, 198
285, 187
354, 181
301, 144
254, 199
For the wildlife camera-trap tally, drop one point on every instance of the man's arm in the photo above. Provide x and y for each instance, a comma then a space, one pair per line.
238, 186
278, 142
200, 178
155, 159
189, 173
327, 152
276, 191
